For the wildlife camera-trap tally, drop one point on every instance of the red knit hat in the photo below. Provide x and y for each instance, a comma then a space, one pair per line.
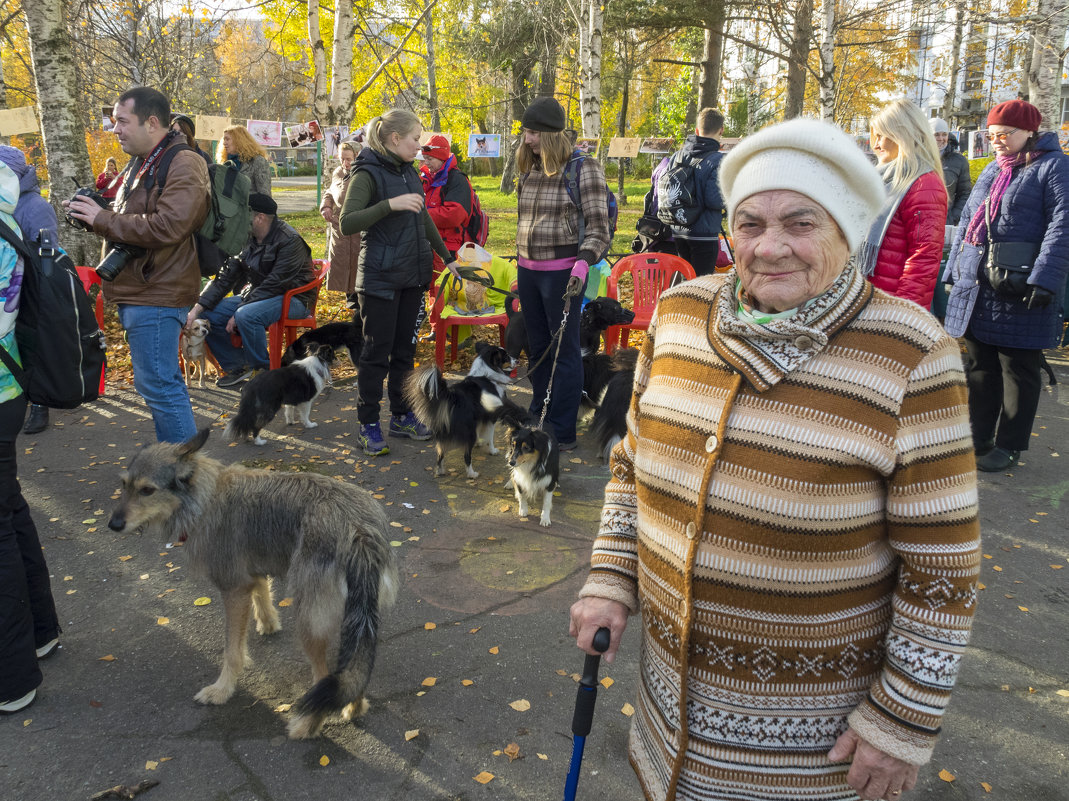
437, 147
1015, 113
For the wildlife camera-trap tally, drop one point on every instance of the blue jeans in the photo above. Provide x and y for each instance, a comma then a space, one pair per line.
542, 299
252, 320
152, 333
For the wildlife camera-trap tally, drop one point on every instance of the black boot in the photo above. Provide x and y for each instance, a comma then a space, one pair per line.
37, 421
997, 459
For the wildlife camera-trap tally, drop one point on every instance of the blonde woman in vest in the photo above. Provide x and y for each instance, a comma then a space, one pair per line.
238, 146
793, 507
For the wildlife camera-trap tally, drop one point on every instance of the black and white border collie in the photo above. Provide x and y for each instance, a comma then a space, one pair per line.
294, 386
339, 336
534, 462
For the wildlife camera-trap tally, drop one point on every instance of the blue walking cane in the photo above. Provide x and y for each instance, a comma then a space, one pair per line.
584, 710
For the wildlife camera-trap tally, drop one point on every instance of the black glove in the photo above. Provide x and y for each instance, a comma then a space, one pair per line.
1040, 298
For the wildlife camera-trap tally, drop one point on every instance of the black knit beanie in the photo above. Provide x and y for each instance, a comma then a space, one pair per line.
544, 114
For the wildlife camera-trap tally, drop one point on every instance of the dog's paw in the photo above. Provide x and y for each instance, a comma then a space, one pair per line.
269, 626
544, 520
310, 424
355, 710
523, 509
492, 448
439, 471
259, 441
214, 694
471, 472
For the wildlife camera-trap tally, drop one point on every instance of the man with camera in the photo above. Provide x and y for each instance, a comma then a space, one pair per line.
275, 260
150, 264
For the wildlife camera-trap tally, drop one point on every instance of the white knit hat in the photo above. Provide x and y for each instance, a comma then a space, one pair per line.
939, 125
813, 158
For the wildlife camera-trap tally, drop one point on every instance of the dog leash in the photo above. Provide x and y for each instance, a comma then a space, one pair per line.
478, 275
553, 371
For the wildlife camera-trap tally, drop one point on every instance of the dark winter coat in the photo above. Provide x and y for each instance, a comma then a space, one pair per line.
706, 176
32, 212
908, 262
266, 269
957, 180
343, 252
1035, 209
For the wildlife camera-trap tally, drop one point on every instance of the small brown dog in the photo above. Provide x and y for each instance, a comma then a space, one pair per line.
194, 350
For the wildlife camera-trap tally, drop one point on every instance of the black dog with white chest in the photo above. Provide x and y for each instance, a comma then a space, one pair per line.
338, 336
598, 315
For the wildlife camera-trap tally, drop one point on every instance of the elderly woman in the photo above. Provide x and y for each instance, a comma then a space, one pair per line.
343, 252
793, 508
1016, 217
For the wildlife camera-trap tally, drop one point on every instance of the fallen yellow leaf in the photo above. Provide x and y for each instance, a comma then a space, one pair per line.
324, 760
27, 722
946, 775
521, 705
430, 681
494, 650
607, 682
628, 710
466, 682
286, 602
512, 751
996, 568
411, 734
108, 658
430, 626
202, 601
151, 764
125, 558
484, 778
1056, 567
1063, 693
472, 631
542, 756
981, 586
283, 707
562, 672
986, 786
162, 621
1023, 608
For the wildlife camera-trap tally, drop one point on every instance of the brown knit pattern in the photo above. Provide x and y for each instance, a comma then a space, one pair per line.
837, 553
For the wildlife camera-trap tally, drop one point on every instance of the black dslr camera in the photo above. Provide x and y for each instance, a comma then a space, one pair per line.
119, 253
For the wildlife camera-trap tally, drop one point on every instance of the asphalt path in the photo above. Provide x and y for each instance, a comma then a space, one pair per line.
480, 628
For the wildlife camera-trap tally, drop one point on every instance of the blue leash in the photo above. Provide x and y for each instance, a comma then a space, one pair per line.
584, 711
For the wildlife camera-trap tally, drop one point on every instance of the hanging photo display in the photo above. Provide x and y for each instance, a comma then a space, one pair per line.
979, 147
334, 136
658, 144
265, 132
482, 145
305, 133
624, 147
18, 121
211, 128
588, 147
107, 122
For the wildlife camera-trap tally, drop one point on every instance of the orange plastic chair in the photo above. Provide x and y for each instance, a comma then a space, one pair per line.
280, 334
651, 274
88, 276
441, 325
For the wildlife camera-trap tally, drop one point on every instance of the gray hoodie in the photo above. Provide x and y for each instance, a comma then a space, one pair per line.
32, 212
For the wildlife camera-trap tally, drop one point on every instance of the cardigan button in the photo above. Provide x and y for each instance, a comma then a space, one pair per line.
692, 531
711, 443
804, 342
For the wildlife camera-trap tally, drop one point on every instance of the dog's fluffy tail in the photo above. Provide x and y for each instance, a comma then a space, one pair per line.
428, 394
246, 422
371, 576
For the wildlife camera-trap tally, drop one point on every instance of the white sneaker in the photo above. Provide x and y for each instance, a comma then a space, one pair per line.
48, 648
7, 707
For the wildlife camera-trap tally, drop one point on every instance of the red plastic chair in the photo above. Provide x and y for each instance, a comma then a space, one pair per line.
651, 274
88, 276
281, 333
441, 325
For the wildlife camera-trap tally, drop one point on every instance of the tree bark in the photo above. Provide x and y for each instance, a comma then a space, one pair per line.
52, 56
797, 71
1045, 72
320, 95
432, 77
593, 23
709, 89
342, 99
827, 62
950, 99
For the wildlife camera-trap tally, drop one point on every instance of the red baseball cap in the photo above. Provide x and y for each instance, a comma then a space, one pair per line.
437, 147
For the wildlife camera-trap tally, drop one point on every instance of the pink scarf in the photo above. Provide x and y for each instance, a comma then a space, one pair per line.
977, 233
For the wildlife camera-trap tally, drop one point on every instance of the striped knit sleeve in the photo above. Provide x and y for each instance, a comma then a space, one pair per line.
934, 529
614, 560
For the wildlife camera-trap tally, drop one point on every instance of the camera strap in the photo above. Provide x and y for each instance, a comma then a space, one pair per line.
149, 163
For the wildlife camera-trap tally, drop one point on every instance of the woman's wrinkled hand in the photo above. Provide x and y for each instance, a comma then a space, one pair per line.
873, 774
587, 615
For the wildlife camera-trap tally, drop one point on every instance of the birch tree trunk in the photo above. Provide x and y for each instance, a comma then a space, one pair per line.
3, 98
950, 99
1045, 72
827, 62
342, 100
801, 35
590, 91
432, 77
320, 96
52, 56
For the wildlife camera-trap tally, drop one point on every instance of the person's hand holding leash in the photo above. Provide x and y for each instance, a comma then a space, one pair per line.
453, 270
575, 286
873, 774
587, 615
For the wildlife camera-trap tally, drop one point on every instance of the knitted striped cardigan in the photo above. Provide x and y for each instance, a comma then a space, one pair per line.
794, 511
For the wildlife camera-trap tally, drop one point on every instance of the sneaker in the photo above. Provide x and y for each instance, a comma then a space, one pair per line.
569, 446
235, 377
48, 648
7, 707
408, 426
997, 459
370, 438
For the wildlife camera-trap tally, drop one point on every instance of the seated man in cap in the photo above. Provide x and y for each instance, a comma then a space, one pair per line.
275, 260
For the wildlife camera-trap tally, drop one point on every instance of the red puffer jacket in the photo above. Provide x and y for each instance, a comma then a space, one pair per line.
908, 263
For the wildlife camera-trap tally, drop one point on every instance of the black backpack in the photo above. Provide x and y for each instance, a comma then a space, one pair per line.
60, 343
571, 185
678, 200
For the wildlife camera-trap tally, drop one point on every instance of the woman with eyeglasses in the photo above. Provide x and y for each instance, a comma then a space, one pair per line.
1008, 267
904, 246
